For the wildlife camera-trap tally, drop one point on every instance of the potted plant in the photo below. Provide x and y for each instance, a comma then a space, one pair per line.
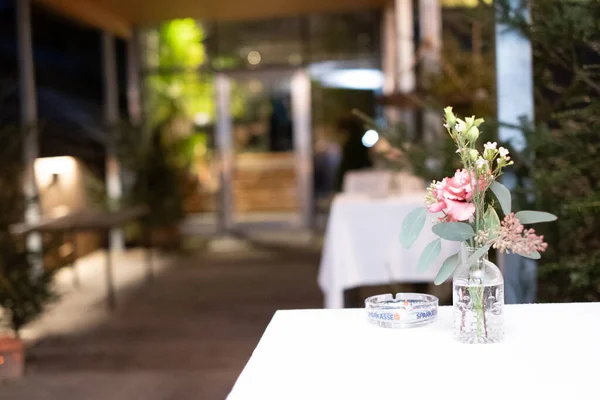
464, 209
24, 293
24, 290
155, 183
158, 183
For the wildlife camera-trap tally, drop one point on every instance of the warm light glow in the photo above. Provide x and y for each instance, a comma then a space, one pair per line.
463, 3
255, 86
47, 168
254, 57
370, 138
201, 119
1, 360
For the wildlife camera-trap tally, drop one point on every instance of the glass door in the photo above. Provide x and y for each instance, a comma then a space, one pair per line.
264, 138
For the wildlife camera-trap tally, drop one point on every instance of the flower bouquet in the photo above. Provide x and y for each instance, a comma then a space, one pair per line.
465, 211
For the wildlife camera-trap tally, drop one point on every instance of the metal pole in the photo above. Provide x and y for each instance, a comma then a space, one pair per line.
111, 119
224, 144
134, 104
406, 74
514, 82
76, 281
301, 118
29, 129
149, 258
110, 288
430, 27
389, 61
134, 108
146, 50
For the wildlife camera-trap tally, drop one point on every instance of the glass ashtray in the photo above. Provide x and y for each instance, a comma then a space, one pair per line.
406, 310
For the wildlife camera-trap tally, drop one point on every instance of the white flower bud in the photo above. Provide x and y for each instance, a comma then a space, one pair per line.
503, 153
450, 117
472, 134
474, 154
490, 146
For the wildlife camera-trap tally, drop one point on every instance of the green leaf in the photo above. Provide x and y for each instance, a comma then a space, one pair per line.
447, 269
491, 222
534, 256
478, 122
429, 254
535, 217
503, 195
454, 231
478, 254
412, 226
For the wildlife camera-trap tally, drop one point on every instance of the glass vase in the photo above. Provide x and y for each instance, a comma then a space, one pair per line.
478, 299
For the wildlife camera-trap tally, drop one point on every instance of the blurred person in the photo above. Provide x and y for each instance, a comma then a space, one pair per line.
327, 156
280, 125
355, 155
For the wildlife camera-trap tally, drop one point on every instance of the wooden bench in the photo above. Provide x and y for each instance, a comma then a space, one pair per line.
93, 221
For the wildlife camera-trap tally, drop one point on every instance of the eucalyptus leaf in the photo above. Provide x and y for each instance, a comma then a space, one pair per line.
477, 254
535, 217
454, 231
412, 226
447, 269
429, 254
491, 222
534, 256
503, 195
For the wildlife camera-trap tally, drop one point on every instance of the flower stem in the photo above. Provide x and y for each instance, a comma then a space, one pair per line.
483, 316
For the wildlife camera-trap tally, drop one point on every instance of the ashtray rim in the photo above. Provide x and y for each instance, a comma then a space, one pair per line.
412, 309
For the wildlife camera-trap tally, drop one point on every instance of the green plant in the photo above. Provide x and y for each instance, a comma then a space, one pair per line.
464, 211
163, 156
156, 176
468, 212
180, 53
24, 291
558, 171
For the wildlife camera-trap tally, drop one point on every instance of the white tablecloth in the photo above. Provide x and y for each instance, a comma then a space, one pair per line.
550, 351
362, 245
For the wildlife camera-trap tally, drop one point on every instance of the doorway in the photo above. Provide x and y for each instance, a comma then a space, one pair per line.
264, 142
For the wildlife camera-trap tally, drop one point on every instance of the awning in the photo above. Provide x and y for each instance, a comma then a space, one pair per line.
118, 16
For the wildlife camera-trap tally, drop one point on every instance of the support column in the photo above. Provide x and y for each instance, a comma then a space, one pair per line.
406, 74
29, 128
301, 117
430, 32
134, 103
147, 43
224, 142
111, 120
430, 27
514, 82
389, 60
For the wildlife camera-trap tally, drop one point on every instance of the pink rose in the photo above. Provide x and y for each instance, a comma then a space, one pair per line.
459, 210
454, 196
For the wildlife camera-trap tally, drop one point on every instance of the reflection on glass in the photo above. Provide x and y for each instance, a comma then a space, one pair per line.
264, 179
262, 114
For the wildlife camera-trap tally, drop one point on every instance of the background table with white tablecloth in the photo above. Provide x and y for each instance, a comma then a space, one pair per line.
362, 245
